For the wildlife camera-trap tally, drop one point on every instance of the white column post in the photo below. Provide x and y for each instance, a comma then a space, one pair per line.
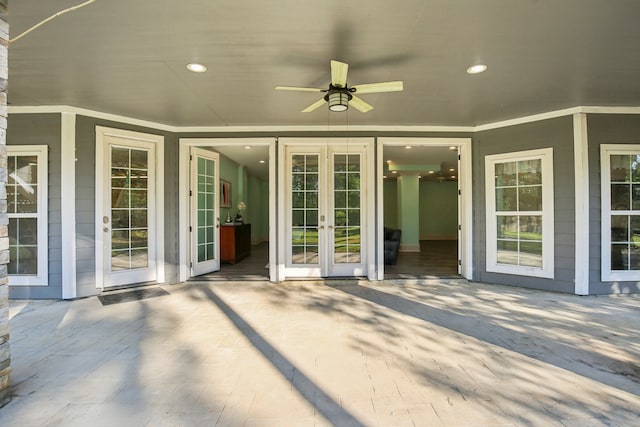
581, 166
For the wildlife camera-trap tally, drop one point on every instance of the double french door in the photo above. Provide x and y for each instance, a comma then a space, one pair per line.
326, 211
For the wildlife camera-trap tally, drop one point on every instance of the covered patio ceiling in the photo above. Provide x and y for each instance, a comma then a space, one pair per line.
129, 58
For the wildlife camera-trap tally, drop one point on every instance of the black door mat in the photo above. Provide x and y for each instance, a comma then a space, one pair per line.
134, 295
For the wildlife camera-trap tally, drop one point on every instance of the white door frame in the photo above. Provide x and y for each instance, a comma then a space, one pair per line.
184, 246
158, 197
465, 207
367, 189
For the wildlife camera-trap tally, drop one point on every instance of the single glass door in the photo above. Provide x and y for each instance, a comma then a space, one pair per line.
205, 220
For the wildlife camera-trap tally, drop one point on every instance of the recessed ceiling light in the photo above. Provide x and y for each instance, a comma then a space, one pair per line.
453, 177
453, 148
419, 176
261, 161
451, 169
247, 147
384, 176
430, 171
388, 161
196, 68
477, 69
408, 147
394, 171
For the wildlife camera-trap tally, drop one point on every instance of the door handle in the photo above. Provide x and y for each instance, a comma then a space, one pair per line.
330, 227
321, 227
106, 229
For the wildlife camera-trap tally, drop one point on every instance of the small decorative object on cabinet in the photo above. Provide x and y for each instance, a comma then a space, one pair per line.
235, 242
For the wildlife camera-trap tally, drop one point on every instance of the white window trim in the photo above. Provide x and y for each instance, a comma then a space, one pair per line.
42, 278
547, 270
606, 151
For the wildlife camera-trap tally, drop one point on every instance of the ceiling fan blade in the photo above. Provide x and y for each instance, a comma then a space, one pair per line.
314, 106
379, 87
360, 105
339, 73
300, 89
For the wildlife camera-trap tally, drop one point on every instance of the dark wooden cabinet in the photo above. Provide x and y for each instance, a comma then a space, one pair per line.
235, 242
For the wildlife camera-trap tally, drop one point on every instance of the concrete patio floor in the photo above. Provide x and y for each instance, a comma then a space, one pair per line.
428, 353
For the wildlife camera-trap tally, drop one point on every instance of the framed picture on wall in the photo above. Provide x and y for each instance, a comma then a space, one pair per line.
225, 194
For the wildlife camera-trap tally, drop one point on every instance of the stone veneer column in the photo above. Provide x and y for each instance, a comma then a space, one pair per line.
5, 355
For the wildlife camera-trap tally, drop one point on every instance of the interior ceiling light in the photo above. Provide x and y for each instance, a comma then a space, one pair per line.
196, 68
394, 171
477, 69
430, 171
247, 147
408, 147
451, 169
453, 148
261, 161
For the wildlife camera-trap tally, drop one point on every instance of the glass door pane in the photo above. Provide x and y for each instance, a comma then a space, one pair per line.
346, 209
305, 182
129, 208
206, 196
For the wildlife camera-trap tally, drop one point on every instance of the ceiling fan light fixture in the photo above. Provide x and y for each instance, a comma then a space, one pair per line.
338, 101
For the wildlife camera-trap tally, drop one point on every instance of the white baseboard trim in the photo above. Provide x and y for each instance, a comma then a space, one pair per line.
409, 247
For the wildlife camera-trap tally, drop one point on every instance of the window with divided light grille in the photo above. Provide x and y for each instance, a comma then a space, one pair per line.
520, 213
620, 176
27, 211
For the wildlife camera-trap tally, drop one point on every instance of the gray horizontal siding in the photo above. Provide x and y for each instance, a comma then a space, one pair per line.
605, 129
43, 129
557, 134
85, 199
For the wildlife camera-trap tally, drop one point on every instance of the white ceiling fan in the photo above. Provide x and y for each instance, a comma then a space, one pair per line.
340, 96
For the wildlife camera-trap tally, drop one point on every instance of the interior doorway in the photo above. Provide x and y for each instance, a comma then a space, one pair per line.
226, 209
425, 204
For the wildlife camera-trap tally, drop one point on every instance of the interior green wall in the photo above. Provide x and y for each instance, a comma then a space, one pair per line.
229, 173
438, 207
250, 190
390, 203
438, 210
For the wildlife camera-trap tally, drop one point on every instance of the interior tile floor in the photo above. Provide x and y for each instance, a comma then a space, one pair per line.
253, 267
436, 259
393, 353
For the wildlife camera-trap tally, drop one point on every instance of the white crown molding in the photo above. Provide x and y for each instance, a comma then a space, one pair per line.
359, 128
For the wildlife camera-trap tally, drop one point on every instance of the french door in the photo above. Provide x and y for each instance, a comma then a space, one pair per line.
127, 213
326, 210
205, 219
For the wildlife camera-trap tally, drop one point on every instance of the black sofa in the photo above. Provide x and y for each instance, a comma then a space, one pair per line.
391, 245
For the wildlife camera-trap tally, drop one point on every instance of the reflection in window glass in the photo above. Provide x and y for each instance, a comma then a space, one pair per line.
304, 215
22, 189
518, 196
347, 207
624, 177
129, 208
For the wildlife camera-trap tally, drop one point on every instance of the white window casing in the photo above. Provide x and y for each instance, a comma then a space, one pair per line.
19, 273
620, 224
524, 243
